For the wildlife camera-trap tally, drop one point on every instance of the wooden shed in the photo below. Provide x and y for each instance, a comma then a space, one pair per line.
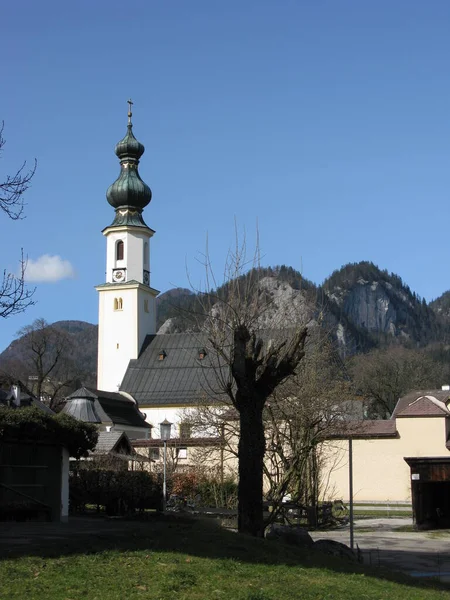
34, 479
430, 491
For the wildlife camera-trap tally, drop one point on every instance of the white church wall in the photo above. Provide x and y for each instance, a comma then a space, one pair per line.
175, 415
146, 320
118, 341
155, 416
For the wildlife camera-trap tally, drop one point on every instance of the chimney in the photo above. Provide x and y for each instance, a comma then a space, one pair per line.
16, 395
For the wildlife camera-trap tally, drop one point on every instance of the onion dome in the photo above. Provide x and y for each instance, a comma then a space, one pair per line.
129, 190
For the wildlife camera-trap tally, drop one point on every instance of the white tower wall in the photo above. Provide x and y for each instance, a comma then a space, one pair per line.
127, 314
136, 255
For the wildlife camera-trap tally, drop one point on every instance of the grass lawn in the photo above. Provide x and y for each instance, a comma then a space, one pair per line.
183, 559
360, 513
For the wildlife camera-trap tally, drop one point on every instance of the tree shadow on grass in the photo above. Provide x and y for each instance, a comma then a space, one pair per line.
182, 534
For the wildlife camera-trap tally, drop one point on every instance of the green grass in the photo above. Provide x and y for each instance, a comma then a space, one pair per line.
182, 559
381, 514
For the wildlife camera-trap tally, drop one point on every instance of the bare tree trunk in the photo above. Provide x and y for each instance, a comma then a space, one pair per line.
251, 457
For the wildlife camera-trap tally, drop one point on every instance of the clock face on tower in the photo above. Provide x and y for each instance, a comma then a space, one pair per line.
146, 278
118, 275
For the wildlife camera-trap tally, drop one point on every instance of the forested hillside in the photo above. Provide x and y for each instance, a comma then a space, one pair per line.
363, 309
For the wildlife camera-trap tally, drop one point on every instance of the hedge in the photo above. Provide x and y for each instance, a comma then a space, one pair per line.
32, 424
119, 492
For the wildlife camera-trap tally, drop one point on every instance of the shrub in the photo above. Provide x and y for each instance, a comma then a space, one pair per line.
119, 492
35, 425
205, 489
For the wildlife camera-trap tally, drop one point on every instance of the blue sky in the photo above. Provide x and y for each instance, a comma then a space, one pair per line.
325, 121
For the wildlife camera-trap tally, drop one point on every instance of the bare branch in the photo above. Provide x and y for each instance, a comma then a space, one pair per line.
14, 187
15, 297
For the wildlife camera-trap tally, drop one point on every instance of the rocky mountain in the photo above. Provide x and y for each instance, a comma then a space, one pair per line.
360, 305
441, 306
380, 308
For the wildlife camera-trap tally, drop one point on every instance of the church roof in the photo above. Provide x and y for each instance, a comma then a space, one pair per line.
99, 406
129, 191
173, 370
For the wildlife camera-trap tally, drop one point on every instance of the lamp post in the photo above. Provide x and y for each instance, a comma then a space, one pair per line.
165, 429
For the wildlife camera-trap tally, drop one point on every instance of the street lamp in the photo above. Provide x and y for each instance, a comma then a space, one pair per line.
165, 430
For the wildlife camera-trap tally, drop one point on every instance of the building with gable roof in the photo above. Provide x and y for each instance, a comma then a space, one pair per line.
387, 452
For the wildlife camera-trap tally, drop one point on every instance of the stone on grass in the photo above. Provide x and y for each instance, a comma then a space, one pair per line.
335, 549
296, 536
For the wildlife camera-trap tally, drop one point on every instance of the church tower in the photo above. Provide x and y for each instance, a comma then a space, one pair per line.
127, 307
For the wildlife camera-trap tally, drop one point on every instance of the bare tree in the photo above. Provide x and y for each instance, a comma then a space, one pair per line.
383, 376
298, 418
15, 297
46, 364
251, 362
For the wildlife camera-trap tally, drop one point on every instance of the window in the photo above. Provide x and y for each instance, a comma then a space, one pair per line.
118, 304
201, 354
162, 355
146, 254
185, 430
119, 250
146, 305
153, 453
181, 452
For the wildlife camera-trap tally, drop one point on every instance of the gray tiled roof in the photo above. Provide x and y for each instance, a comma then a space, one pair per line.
98, 406
181, 378
108, 440
82, 409
6, 399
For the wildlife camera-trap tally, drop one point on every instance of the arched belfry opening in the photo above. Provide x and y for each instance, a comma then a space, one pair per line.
120, 250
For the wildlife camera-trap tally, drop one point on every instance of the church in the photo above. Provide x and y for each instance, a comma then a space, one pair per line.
145, 379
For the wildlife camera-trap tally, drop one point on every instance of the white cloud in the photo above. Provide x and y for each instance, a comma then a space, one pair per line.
48, 268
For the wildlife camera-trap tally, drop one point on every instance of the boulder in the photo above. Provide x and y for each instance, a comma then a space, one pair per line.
335, 549
296, 536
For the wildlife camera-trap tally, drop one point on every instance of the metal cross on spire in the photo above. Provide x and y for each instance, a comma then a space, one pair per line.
130, 114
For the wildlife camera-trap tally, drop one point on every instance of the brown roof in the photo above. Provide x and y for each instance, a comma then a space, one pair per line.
422, 403
178, 442
364, 429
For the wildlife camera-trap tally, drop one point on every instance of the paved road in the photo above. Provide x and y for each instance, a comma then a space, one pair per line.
418, 553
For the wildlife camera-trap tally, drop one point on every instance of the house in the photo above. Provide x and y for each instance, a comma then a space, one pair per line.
391, 457
14, 396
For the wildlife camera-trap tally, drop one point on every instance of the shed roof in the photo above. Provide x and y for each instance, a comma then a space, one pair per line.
109, 440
